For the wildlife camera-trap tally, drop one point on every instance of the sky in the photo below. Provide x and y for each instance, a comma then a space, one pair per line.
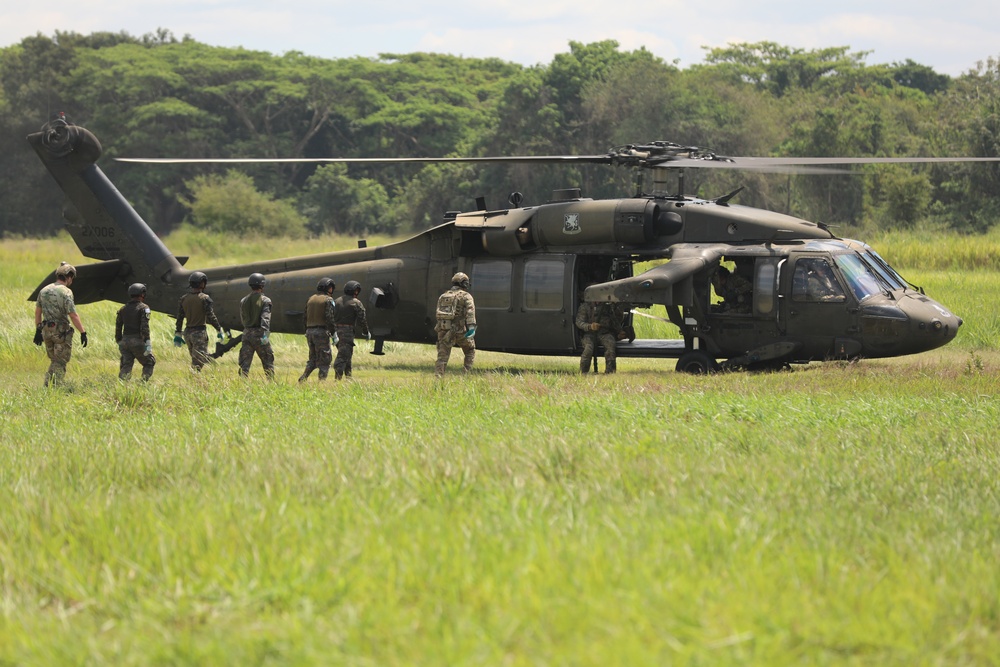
950, 37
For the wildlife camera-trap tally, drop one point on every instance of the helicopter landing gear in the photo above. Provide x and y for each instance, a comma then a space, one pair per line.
696, 362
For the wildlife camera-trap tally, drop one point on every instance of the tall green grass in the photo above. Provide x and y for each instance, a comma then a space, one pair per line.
524, 515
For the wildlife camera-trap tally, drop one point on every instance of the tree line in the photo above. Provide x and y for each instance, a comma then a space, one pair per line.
160, 96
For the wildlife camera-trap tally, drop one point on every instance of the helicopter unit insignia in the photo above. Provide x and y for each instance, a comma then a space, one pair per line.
571, 223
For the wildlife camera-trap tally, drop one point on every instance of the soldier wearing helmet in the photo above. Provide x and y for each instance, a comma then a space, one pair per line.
132, 334
456, 324
320, 327
600, 324
54, 310
196, 307
255, 313
349, 314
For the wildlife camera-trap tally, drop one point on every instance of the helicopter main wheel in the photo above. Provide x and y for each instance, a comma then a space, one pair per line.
696, 363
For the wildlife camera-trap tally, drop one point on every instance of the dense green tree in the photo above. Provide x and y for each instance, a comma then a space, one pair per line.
334, 202
231, 204
160, 96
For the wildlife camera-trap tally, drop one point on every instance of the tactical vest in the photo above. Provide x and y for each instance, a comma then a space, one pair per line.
347, 311
316, 310
193, 304
251, 308
133, 314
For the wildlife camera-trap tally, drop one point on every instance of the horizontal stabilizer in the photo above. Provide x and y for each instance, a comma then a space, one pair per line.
95, 282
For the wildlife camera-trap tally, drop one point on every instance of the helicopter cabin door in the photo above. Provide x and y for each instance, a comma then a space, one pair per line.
815, 308
524, 304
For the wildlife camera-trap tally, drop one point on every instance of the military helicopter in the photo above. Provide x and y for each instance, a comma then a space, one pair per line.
530, 266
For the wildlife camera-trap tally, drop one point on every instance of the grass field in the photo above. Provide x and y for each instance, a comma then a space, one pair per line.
835, 514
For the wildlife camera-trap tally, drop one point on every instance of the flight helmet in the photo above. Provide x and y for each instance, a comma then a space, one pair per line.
256, 280
66, 271
136, 289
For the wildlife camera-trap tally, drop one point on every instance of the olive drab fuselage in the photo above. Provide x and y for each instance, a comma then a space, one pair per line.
530, 268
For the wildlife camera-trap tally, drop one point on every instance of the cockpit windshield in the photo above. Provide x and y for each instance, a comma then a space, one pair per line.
860, 278
886, 271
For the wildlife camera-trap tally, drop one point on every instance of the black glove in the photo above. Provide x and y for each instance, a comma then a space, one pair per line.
83, 339
38, 335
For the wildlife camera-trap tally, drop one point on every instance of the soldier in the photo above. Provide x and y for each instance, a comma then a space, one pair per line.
54, 310
735, 290
132, 334
196, 306
320, 327
350, 313
599, 322
255, 313
456, 324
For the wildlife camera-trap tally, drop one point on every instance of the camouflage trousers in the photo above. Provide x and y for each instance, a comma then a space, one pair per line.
448, 339
345, 352
590, 341
58, 341
252, 343
197, 340
320, 355
133, 348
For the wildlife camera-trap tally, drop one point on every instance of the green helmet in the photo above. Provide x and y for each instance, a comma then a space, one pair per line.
256, 280
136, 289
197, 279
66, 271
325, 285
352, 287
461, 280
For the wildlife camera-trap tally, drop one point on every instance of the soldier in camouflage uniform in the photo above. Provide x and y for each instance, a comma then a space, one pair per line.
255, 313
349, 314
132, 334
735, 290
54, 310
456, 324
196, 306
320, 327
600, 323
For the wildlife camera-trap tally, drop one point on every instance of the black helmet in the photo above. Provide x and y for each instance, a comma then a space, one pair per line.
325, 285
197, 279
256, 280
352, 287
136, 289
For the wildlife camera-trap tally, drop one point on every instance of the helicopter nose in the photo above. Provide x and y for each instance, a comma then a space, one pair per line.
934, 324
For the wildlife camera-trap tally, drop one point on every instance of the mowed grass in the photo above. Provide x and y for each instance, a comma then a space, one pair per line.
525, 515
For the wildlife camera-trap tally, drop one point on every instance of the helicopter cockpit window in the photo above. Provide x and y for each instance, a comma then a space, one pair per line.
491, 284
814, 280
860, 278
882, 267
543, 284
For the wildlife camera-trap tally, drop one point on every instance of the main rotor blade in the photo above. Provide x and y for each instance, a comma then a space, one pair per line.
780, 165
551, 159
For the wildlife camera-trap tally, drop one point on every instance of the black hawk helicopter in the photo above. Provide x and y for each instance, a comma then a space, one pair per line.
811, 295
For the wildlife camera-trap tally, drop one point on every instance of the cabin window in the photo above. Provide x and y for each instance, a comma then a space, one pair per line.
764, 289
814, 280
544, 284
491, 284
